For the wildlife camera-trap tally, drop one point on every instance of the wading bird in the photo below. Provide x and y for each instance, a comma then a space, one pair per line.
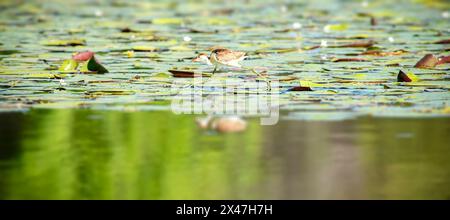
222, 57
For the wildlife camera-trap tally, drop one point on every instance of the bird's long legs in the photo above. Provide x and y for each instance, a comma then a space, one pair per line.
269, 87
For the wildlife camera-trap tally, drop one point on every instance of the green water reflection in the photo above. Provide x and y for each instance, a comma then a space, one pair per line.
86, 154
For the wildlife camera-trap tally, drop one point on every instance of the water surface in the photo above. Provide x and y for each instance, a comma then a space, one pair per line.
84, 154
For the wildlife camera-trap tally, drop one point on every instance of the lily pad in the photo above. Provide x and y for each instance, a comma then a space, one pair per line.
93, 66
186, 74
62, 43
428, 61
144, 48
163, 21
68, 65
407, 77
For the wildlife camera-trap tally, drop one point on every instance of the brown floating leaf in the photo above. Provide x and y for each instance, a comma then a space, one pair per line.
382, 54
446, 41
185, 74
300, 88
428, 61
443, 59
350, 60
356, 44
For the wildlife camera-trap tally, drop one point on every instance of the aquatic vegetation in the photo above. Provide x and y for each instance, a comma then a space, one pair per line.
98, 81
350, 54
407, 77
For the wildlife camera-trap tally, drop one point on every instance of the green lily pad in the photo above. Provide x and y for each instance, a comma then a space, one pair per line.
62, 43
336, 27
93, 66
68, 65
167, 21
407, 77
144, 48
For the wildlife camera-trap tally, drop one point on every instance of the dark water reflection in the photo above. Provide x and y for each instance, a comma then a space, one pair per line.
83, 154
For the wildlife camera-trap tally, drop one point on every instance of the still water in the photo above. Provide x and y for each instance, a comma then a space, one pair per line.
87, 154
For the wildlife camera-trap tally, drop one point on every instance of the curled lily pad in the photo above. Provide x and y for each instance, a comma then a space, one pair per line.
93, 66
407, 77
428, 61
68, 65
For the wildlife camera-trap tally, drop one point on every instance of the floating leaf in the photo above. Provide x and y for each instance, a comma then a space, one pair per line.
382, 54
428, 61
144, 48
407, 77
186, 74
46, 75
68, 65
180, 48
167, 21
446, 41
61, 43
162, 75
443, 59
356, 44
76, 31
349, 60
305, 83
93, 66
300, 88
219, 21
335, 27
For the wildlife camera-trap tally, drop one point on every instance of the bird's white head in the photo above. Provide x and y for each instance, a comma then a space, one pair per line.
202, 58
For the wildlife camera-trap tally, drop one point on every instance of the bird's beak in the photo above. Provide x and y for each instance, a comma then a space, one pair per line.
197, 59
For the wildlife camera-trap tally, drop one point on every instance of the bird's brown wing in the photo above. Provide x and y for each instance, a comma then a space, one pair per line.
228, 55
